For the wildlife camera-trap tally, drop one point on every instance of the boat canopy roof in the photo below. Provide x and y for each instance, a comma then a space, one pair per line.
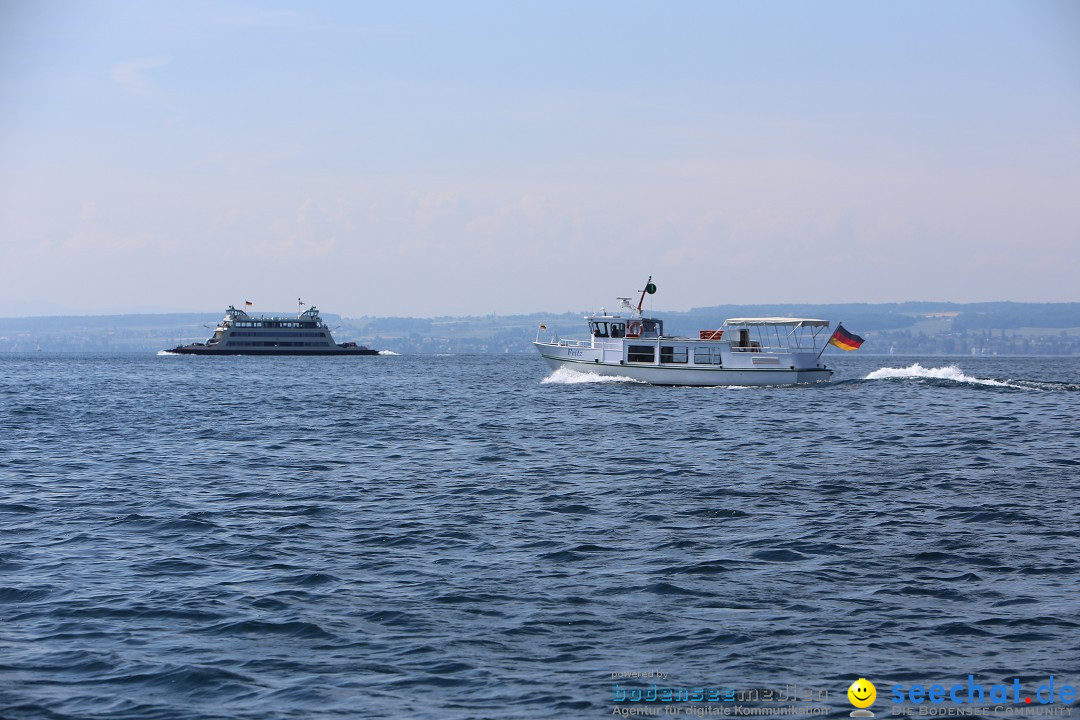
786, 321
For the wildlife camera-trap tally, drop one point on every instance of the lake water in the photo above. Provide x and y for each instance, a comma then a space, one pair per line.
476, 537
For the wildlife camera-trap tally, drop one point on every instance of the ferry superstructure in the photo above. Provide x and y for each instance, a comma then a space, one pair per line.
743, 351
241, 334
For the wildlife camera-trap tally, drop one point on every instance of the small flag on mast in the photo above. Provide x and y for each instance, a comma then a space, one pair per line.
248, 303
844, 339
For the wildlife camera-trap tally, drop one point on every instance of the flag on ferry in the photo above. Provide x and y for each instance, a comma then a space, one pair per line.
844, 339
248, 303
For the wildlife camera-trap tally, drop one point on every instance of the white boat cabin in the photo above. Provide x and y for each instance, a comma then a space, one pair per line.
641, 340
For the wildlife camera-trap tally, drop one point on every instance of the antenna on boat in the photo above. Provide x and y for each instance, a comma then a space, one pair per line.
650, 289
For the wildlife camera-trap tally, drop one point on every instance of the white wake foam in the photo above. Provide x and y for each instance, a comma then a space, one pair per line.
566, 376
388, 352
950, 372
166, 352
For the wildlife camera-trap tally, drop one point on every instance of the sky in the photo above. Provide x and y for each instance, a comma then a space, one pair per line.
471, 158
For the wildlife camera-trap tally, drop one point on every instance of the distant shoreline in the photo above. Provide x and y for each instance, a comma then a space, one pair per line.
915, 328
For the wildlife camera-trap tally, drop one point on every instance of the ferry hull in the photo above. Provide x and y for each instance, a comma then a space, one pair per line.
203, 350
590, 362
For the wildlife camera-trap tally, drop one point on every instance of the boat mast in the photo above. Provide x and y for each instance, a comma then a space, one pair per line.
650, 289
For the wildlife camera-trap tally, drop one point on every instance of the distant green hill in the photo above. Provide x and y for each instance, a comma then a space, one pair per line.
1005, 328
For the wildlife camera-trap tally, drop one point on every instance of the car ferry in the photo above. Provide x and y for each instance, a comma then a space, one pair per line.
240, 334
743, 351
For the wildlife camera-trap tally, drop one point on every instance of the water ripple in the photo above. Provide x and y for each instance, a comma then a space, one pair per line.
473, 537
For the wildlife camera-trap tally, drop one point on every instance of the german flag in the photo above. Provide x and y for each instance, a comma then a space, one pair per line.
845, 340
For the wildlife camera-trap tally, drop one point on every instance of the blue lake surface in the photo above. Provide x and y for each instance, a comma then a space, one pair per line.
476, 537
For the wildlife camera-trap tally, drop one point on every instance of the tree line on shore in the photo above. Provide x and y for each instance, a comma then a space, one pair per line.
1002, 328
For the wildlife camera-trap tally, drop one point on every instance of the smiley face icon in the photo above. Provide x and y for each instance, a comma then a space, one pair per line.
862, 693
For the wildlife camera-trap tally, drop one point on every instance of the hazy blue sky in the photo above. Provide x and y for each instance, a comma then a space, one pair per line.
428, 158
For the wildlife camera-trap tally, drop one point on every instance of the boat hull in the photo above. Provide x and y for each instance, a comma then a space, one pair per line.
654, 374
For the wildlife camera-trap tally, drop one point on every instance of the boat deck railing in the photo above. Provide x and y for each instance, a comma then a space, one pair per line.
594, 344
757, 347
774, 349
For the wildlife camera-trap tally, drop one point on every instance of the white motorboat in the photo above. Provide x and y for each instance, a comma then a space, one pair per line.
742, 351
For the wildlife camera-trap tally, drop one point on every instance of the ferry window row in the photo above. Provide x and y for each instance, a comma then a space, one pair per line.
266, 324
286, 333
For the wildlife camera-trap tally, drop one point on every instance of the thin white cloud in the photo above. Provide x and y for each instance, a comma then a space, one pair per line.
133, 75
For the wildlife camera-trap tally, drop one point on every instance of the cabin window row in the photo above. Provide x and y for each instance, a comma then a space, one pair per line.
603, 329
645, 328
676, 354
707, 356
273, 343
